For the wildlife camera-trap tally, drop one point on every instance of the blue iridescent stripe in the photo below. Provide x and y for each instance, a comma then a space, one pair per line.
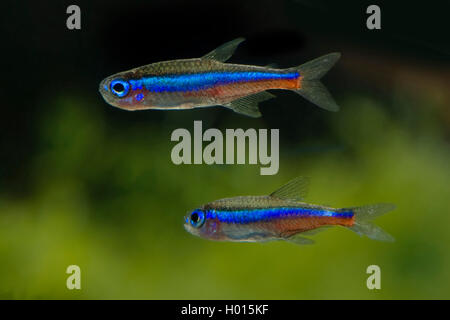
260, 215
201, 81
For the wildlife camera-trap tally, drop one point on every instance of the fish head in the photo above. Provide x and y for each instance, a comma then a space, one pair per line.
200, 224
121, 90
195, 221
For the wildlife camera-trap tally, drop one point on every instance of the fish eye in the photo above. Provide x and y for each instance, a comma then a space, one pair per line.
119, 87
197, 218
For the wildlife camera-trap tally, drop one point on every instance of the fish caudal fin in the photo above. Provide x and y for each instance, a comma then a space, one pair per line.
311, 87
363, 216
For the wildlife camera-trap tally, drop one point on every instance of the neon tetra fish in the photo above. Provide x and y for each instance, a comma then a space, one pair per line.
280, 216
208, 81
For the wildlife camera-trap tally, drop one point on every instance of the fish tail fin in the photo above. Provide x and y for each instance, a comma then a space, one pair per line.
363, 217
310, 86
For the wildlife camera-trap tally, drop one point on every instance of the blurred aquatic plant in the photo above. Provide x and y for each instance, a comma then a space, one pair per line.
111, 201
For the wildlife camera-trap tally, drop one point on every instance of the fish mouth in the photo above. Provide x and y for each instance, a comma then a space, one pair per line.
187, 226
103, 88
108, 96
186, 223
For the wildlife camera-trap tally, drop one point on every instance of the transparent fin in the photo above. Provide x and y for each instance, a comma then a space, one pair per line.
311, 88
225, 51
249, 105
271, 65
364, 227
316, 69
371, 211
315, 231
299, 240
295, 189
371, 231
315, 92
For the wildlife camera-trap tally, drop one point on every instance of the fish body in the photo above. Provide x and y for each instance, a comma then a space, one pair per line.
209, 81
279, 216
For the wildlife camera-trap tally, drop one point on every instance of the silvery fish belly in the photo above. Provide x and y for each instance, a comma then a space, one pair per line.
208, 81
280, 216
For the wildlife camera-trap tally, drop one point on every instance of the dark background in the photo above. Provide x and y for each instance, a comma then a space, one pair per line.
44, 59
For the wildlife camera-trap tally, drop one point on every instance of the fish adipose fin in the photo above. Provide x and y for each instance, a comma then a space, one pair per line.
296, 190
225, 51
311, 87
363, 216
249, 105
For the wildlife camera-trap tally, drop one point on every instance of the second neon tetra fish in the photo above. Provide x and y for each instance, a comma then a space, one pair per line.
208, 81
280, 216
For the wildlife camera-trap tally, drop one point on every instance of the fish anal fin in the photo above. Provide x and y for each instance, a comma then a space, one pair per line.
249, 105
295, 189
225, 51
299, 240
315, 231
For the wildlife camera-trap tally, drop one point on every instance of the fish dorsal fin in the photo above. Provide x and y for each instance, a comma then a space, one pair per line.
224, 52
271, 65
295, 189
249, 105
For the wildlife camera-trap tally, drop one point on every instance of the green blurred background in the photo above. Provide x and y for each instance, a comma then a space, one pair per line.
87, 184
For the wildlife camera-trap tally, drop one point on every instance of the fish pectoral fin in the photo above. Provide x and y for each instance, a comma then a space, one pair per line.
299, 240
249, 105
225, 51
295, 189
